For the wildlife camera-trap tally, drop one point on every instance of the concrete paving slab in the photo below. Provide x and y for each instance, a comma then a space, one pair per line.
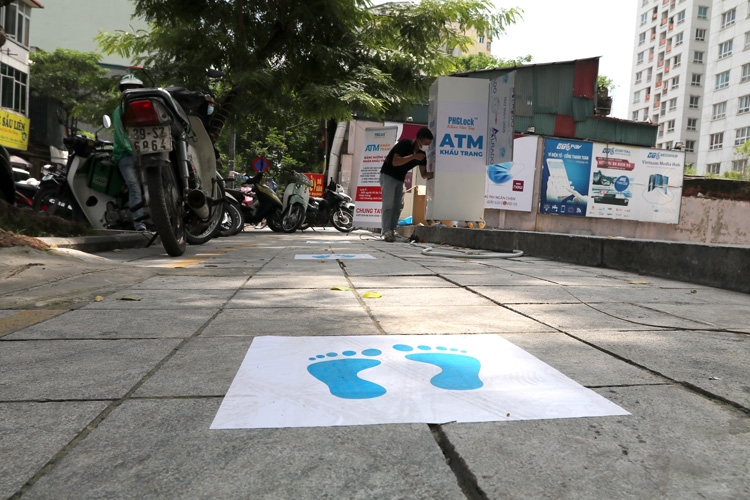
717, 362
637, 293
733, 317
610, 316
164, 449
385, 268
291, 321
201, 367
675, 445
191, 283
377, 282
299, 298
117, 324
157, 299
31, 434
76, 369
583, 363
323, 280
453, 319
494, 277
540, 293
426, 297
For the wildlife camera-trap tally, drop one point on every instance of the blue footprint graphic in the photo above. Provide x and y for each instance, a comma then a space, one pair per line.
341, 375
459, 372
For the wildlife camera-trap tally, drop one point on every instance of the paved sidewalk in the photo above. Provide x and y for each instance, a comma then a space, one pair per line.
113, 367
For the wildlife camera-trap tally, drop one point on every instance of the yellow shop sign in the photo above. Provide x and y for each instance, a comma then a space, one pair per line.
14, 130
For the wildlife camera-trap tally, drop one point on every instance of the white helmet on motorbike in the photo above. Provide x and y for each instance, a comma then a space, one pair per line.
129, 79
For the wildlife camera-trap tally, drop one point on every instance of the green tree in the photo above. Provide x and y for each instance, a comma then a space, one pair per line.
76, 81
605, 81
478, 62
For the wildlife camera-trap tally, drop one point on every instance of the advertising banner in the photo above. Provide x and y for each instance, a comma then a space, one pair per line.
14, 130
317, 189
500, 123
510, 185
368, 198
636, 183
566, 177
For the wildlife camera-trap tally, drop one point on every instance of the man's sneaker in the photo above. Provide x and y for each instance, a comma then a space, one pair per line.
389, 238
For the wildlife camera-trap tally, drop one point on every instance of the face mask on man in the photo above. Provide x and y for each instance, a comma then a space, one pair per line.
210, 110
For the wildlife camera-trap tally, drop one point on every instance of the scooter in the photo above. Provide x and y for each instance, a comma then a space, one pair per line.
295, 201
335, 208
258, 201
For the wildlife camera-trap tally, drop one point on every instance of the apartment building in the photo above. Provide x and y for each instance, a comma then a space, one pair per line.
690, 67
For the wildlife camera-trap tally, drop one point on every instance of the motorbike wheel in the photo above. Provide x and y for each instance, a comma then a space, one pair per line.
274, 221
292, 219
232, 220
199, 232
48, 200
342, 219
166, 209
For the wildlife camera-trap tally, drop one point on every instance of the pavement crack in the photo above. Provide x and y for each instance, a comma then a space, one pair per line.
18, 270
466, 479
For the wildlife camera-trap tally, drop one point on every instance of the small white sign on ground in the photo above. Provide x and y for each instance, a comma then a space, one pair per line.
389, 379
333, 256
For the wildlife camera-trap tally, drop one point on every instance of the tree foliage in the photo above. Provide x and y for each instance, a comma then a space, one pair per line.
76, 81
478, 62
293, 62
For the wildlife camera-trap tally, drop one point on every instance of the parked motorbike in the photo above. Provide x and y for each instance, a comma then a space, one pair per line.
88, 188
258, 201
295, 201
335, 208
177, 164
25, 192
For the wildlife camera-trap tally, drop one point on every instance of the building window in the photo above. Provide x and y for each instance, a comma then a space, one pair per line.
17, 17
670, 126
644, 3
725, 49
739, 165
716, 141
722, 80
745, 72
741, 135
677, 60
700, 35
649, 74
678, 39
637, 96
747, 41
644, 18
719, 111
675, 82
639, 59
672, 104
727, 18
694, 101
638, 77
13, 94
698, 57
702, 12
696, 80
634, 117
744, 105
667, 145
689, 146
692, 124
680, 17
642, 38
663, 111
713, 168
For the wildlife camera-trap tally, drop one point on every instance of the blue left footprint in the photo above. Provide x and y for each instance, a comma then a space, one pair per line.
458, 371
341, 375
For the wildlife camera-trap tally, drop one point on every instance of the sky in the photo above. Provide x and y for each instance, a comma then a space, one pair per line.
556, 30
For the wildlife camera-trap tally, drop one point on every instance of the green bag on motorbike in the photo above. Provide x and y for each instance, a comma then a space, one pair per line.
103, 176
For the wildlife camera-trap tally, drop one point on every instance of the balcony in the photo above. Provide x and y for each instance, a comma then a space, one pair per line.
648, 97
656, 104
664, 21
669, 48
666, 68
662, 42
660, 63
658, 84
671, 27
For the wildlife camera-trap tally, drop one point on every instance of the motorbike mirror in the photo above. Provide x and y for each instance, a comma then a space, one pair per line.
106, 121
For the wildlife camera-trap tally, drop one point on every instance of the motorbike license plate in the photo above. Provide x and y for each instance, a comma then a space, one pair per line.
150, 139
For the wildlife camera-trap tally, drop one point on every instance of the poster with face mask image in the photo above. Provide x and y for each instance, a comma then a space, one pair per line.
510, 185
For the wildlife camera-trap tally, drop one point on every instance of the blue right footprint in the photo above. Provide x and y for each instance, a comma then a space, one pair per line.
341, 375
459, 372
